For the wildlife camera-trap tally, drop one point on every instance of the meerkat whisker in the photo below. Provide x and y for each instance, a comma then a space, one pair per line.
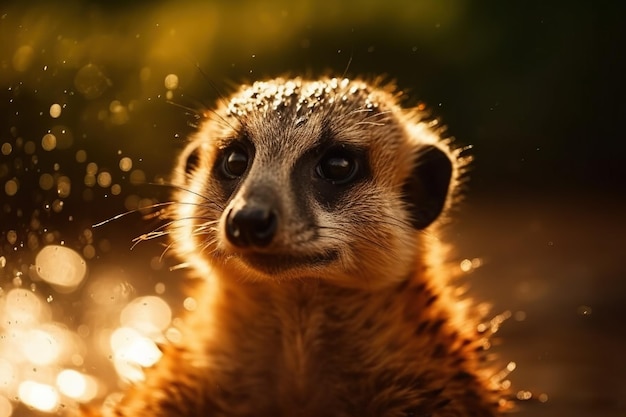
137, 210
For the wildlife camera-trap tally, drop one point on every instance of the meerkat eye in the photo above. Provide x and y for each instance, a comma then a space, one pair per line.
338, 166
235, 162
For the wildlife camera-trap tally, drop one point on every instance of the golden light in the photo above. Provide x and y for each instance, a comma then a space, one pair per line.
49, 142
6, 408
61, 267
76, 385
104, 179
40, 396
41, 347
190, 304
6, 148
149, 315
11, 187
126, 164
171, 81
64, 186
46, 181
55, 110
8, 376
132, 351
468, 265
21, 307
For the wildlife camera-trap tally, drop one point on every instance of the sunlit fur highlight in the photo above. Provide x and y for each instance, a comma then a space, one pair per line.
380, 331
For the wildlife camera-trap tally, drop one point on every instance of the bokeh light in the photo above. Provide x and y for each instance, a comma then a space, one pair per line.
131, 351
21, 308
76, 385
61, 267
150, 315
6, 408
41, 347
40, 396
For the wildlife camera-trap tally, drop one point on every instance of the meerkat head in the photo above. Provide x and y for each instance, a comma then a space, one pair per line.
326, 179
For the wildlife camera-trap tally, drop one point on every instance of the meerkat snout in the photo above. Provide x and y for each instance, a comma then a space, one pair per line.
253, 224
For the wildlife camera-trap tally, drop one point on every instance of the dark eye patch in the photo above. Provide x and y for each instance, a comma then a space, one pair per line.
339, 166
232, 164
333, 169
234, 161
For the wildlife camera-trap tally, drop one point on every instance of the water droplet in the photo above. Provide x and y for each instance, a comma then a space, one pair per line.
46, 181
11, 187
584, 310
89, 180
126, 164
137, 177
159, 288
57, 206
77, 385
55, 110
104, 179
131, 351
30, 147
48, 142
190, 304
11, 237
89, 252
91, 82
39, 396
171, 81
92, 168
6, 148
22, 306
61, 267
466, 265
81, 156
64, 186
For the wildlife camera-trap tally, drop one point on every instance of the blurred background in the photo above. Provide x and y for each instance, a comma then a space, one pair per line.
88, 131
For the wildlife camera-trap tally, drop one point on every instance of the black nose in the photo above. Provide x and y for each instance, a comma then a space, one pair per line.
251, 225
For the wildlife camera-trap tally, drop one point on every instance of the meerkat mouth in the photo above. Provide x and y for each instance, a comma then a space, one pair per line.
275, 263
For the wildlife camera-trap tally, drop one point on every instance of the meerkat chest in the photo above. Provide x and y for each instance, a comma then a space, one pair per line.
297, 351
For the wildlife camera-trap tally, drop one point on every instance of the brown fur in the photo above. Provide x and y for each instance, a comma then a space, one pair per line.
376, 331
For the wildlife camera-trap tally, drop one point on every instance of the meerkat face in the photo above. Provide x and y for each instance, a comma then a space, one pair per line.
294, 179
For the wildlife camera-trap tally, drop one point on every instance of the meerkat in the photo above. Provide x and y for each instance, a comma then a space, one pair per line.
309, 209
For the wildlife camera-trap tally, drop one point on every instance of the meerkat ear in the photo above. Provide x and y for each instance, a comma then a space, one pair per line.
426, 189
